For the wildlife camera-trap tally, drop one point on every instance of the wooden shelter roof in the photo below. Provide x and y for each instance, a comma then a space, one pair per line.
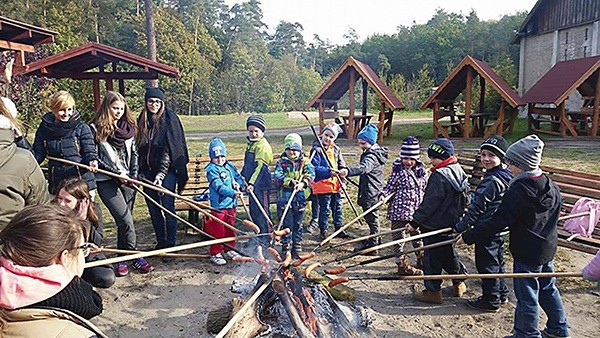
337, 85
456, 82
17, 35
563, 79
77, 63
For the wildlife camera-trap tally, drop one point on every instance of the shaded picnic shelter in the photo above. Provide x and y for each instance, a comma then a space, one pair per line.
472, 122
21, 37
546, 101
344, 80
90, 61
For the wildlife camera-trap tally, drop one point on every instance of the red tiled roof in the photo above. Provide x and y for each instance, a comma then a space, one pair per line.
562, 80
76, 62
456, 82
337, 85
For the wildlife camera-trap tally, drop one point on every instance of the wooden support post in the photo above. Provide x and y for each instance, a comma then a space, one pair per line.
390, 122
481, 94
321, 115
96, 89
565, 124
501, 115
595, 118
469, 89
381, 123
122, 86
352, 104
365, 91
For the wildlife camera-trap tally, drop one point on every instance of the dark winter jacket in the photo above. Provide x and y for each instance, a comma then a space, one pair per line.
221, 179
370, 169
287, 170
71, 140
409, 188
530, 209
487, 198
166, 149
324, 183
108, 156
22, 182
445, 199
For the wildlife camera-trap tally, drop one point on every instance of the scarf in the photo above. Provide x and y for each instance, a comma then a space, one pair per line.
57, 129
77, 297
444, 163
123, 133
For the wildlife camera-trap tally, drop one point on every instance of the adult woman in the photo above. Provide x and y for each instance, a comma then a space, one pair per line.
41, 293
22, 182
73, 194
114, 129
9, 110
62, 134
163, 160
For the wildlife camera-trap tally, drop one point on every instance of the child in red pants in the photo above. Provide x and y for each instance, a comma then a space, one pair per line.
224, 181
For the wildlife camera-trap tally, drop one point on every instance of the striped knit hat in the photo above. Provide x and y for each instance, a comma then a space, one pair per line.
410, 148
258, 121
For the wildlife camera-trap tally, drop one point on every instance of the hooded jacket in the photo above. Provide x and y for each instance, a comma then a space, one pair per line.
488, 196
409, 188
76, 144
22, 182
370, 169
324, 183
287, 170
445, 198
530, 209
220, 179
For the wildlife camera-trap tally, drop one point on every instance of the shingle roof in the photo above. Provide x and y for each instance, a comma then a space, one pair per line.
563, 79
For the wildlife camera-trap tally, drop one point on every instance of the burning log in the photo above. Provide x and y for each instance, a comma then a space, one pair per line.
297, 321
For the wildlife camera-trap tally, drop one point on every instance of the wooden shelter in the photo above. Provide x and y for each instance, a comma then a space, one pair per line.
344, 80
546, 100
21, 37
79, 63
472, 123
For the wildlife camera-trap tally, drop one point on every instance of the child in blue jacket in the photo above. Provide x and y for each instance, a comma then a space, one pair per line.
293, 172
224, 180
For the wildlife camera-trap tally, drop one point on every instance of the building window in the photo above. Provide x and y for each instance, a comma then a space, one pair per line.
566, 37
586, 35
565, 57
584, 51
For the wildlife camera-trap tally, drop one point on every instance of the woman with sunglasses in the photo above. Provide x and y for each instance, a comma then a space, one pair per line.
41, 261
163, 159
73, 194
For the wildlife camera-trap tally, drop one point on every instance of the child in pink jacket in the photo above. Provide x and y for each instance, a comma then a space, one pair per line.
591, 271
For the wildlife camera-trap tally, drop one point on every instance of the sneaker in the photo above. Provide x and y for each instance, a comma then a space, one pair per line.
218, 259
122, 269
546, 334
232, 254
313, 225
142, 266
482, 305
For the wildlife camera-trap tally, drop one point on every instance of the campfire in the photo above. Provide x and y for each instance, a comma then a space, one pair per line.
282, 302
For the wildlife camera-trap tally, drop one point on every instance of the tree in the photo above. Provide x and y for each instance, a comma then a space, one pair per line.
287, 40
150, 35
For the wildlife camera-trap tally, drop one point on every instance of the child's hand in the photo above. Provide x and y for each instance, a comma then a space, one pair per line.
299, 186
460, 241
343, 172
94, 166
236, 186
250, 188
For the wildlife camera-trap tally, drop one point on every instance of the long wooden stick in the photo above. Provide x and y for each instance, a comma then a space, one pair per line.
476, 276
358, 239
180, 255
356, 219
388, 244
161, 251
566, 217
260, 206
244, 205
285, 210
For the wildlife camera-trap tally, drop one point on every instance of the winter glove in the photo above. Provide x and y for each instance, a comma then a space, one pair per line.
158, 179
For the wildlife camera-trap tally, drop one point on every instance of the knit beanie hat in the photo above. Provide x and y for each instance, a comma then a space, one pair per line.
293, 141
216, 148
155, 92
410, 148
5, 123
256, 120
441, 148
496, 144
334, 129
368, 134
526, 153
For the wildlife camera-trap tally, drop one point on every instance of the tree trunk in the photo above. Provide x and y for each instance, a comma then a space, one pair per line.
150, 36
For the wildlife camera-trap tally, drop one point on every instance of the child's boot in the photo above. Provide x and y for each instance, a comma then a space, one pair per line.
296, 250
459, 289
405, 269
431, 297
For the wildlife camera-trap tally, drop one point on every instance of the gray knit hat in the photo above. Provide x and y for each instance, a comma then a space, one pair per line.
526, 153
256, 120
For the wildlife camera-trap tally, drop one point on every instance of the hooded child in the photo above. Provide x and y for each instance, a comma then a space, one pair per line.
443, 204
530, 210
371, 182
407, 181
224, 183
293, 173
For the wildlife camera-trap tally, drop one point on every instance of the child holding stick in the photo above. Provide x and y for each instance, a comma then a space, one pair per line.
408, 181
224, 180
293, 173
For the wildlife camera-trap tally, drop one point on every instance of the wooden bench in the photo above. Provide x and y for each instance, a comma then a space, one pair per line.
573, 186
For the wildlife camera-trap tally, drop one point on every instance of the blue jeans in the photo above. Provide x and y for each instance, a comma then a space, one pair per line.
534, 292
293, 221
327, 202
165, 226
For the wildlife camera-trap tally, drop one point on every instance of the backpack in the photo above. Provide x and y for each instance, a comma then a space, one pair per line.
583, 225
